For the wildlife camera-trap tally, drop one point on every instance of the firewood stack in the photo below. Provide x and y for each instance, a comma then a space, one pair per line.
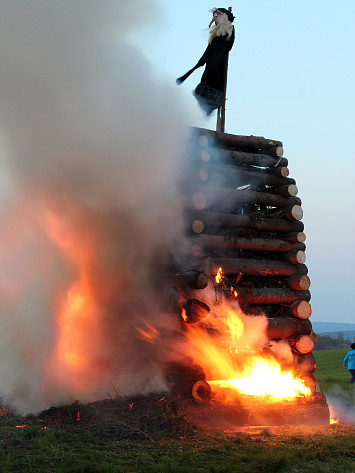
244, 216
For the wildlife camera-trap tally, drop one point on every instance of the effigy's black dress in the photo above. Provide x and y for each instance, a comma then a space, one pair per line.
209, 91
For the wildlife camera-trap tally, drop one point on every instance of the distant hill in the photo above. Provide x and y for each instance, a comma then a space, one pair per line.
326, 327
348, 334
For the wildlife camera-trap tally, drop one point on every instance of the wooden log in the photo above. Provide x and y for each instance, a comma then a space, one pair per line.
240, 157
299, 283
194, 311
201, 392
211, 138
252, 267
302, 308
193, 280
251, 244
281, 171
287, 327
303, 344
232, 176
310, 382
304, 363
296, 237
272, 295
212, 221
225, 200
288, 190
295, 213
296, 257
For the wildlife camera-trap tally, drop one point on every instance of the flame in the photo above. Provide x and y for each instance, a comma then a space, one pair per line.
230, 354
333, 419
149, 333
78, 318
183, 314
219, 275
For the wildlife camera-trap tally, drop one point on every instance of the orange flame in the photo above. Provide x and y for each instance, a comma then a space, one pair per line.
333, 419
149, 333
219, 276
232, 358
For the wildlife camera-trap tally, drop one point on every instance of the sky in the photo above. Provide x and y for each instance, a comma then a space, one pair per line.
291, 78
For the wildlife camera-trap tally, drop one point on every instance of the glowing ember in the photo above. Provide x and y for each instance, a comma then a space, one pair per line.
219, 275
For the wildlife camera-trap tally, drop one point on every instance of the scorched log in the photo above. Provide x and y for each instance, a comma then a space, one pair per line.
255, 267
287, 327
310, 381
296, 237
272, 295
208, 222
251, 244
231, 176
225, 200
193, 280
287, 190
299, 283
296, 257
304, 363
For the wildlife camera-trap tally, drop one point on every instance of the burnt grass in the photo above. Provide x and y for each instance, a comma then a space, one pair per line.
154, 434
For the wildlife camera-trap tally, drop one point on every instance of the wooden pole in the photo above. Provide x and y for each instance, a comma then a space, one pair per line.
221, 112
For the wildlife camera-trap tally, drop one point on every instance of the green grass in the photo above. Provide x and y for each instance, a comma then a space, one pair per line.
152, 434
330, 372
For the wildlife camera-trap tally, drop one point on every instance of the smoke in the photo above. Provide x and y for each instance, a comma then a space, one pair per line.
90, 146
341, 404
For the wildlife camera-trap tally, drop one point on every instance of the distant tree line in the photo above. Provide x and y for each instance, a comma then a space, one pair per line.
326, 342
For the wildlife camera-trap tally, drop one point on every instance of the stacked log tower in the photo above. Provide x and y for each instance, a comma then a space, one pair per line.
244, 216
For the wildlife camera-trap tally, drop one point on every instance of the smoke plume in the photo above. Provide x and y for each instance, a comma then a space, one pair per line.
89, 151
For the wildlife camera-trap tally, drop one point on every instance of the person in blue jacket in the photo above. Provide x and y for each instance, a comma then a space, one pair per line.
350, 361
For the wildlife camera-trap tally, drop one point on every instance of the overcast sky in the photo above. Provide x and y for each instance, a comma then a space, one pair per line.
291, 78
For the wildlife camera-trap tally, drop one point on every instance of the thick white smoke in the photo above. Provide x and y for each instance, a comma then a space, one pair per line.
91, 143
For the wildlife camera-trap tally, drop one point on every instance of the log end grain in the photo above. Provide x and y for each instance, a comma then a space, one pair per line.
301, 309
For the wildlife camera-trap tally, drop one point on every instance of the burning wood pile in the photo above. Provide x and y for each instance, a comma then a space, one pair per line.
243, 275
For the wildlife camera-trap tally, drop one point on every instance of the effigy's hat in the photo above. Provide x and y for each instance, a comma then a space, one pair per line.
228, 13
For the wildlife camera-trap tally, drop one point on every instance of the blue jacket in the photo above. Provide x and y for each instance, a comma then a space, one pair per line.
350, 360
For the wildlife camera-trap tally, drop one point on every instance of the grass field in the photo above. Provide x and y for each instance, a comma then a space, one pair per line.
330, 371
153, 435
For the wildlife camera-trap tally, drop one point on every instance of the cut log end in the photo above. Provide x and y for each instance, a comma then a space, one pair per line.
279, 151
201, 392
296, 257
303, 344
295, 213
198, 226
299, 282
199, 201
205, 156
194, 311
301, 309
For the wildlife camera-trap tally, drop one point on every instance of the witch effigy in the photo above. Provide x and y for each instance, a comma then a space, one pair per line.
209, 91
